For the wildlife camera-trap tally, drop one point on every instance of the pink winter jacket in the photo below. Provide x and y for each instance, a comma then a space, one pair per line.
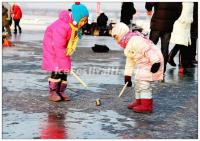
141, 55
55, 41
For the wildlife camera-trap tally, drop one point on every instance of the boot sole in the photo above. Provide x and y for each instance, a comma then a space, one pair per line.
54, 100
146, 112
67, 100
63, 99
131, 108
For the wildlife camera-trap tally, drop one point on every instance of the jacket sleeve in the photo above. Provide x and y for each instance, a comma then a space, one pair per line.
129, 52
129, 67
148, 49
152, 55
149, 5
58, 38
59, 43
139, 45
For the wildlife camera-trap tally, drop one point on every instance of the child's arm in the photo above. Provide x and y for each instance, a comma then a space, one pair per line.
152, 55
129, 52
128, 71
139, 45
58, 38
154, 59
129, 67
142, 46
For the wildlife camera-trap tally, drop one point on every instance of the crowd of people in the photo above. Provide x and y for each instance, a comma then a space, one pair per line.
175, 23
9, 14
172, 22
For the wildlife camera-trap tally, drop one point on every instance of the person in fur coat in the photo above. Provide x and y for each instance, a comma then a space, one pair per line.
59, 43
181, 34
145, 59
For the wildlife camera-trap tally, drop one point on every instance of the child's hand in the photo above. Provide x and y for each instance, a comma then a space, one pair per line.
128, 79
155, 67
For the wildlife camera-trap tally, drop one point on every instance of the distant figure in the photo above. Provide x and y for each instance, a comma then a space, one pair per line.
17, 15
127, 12
94, 28
8, 6
110, 27
5, 41
194, 33
102, 20
86, 29
6, 18
164, 16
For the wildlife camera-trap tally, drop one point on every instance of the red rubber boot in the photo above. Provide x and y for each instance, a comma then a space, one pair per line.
133, 104
145, 107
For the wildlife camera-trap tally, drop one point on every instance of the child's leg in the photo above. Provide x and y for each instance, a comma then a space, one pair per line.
137, 96
63, 86
53, 87
55, 75
63, 76
145, 90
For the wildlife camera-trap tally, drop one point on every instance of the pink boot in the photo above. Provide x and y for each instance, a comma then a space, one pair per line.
133, 104
53, 86
63, 86
145, 107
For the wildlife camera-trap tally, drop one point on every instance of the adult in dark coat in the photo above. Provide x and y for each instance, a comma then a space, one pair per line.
194, 33
164, 16
127, 12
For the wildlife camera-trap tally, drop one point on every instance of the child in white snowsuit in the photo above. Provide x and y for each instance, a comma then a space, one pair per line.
145, 59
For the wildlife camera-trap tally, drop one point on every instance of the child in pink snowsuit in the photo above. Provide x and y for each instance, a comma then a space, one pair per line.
59, 43
145, 59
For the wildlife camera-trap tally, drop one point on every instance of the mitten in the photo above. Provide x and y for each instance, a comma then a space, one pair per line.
128, 79
155, 67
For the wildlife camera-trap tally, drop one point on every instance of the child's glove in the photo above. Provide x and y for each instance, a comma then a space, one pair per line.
128, 79
155, 67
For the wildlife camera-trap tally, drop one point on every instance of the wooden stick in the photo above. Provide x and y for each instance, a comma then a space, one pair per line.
79, 79
122, 91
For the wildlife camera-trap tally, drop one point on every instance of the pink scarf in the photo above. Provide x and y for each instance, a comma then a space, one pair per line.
123, 42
